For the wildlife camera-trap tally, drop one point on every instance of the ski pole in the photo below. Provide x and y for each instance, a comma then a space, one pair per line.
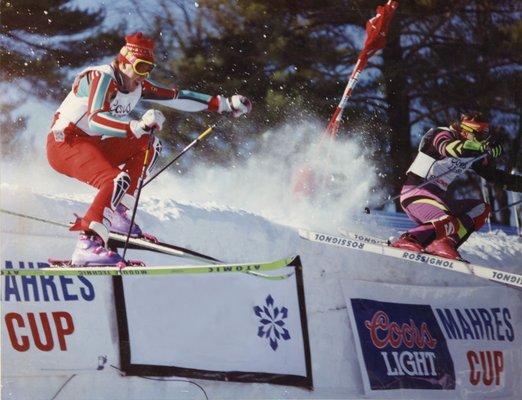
508, 206
469, 164
485, 196
516, 210
138, 193
201, 136
47, 221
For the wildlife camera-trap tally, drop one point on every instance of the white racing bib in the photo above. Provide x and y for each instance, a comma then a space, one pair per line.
446, 169
74, 109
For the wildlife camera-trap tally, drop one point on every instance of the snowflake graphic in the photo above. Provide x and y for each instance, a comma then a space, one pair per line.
272, 322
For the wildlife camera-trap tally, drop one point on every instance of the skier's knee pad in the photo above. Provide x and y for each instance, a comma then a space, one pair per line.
157, 146
448, 225
121, 184
479, 214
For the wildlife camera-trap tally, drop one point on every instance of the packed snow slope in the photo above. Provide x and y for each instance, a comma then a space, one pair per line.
241, 214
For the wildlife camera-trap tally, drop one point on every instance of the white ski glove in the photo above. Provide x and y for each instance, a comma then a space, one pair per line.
237, 105
152, 119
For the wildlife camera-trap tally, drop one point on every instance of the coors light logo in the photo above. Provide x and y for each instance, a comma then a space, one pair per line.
403, 346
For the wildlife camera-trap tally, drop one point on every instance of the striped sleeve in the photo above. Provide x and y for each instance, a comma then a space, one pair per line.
100, 119
448, 146
153, 91
211, 102
189, 101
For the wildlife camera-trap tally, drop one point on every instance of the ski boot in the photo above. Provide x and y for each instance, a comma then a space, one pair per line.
407, 242
444, 247
90, 251
120, 223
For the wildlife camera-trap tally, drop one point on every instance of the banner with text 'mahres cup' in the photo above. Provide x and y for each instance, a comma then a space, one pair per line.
428, 342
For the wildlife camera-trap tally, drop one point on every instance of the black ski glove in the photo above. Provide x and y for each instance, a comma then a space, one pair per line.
493, 148
514, 183
506, 181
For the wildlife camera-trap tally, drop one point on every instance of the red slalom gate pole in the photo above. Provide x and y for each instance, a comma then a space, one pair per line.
376, 35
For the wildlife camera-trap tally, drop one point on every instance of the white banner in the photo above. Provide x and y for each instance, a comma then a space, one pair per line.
444, 343
233, 327
52, 323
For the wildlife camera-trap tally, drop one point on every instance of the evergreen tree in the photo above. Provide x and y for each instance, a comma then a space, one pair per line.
290, 62
292, 58
10, 125
39, 42
295, 56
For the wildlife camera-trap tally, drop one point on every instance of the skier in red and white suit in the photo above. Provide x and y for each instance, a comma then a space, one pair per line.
92, 140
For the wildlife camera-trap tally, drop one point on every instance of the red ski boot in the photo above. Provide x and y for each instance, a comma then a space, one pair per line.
407, 242
445, 247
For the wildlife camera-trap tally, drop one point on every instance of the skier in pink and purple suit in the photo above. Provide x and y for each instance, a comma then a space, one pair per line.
445, 223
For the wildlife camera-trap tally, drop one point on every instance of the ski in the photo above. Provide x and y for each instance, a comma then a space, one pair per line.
55, 263
117, 240
256, 269
352, 242
363, 238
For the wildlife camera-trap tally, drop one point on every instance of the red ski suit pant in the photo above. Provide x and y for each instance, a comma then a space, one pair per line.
97, 162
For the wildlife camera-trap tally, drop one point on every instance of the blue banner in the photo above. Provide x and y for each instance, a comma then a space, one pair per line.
403, 346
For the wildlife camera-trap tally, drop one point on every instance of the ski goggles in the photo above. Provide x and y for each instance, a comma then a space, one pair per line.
479, 130
140, 66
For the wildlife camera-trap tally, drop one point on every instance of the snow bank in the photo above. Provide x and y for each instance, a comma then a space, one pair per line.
236, 235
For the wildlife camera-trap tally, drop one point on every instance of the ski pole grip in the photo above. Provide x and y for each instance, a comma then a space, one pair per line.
205, 132
146, 159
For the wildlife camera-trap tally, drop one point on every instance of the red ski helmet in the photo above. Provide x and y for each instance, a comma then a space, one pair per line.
473, 126
139, 52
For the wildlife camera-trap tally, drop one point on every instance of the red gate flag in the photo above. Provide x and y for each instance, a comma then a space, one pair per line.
305, 181
377, 29
376, 34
